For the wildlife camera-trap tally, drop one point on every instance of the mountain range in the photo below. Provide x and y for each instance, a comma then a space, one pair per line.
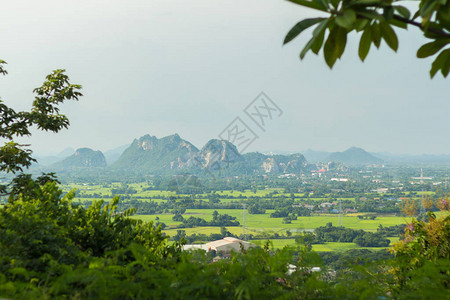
172, 154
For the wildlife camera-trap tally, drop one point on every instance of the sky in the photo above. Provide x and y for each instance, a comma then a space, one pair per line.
191, 67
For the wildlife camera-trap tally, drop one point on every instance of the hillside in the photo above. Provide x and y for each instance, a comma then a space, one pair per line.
354, 157
149, 154
82, 158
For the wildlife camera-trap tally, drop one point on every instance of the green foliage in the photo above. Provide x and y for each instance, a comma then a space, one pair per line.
375, 19
44, 114
218, 220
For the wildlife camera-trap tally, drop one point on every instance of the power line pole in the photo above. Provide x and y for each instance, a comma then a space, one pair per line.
243, 222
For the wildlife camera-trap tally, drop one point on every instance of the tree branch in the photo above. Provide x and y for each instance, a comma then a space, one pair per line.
419, 25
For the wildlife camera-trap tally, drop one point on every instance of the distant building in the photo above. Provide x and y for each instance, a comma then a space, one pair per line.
381, 190
339, 179
223, 246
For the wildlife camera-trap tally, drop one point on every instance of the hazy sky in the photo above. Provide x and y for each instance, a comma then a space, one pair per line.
191, 67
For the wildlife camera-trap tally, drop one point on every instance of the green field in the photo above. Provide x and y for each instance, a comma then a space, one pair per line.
264, 222
280, 243
255, 224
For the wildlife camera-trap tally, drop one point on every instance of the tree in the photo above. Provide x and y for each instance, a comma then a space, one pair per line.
375, 19
44, 114
45, 239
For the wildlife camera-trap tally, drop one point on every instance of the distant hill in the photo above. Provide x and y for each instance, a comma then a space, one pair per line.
49, 160
217, 154
82, 158
354, 157
66, 152
113, 155
150, 155
423, 159
316, 156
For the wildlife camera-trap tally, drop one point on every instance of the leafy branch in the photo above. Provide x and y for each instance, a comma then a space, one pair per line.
375, 19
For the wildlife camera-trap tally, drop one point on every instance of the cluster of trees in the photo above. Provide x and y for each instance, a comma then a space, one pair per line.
341, 261
367, 217
218, 220
330, 233
256, 209
291, 212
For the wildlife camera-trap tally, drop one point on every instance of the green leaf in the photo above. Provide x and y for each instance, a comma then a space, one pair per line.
398, 24
403, 11
427, 8
335, 45
440, 63
446, 66
360, 24
389, 36
316, 41
307, 47
376, 34
369, 14
432, 48
364, 44
346, 19
299, 27
310, 4
388, 13
335, 3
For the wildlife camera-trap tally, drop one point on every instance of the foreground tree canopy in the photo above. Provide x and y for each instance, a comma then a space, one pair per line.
376, 20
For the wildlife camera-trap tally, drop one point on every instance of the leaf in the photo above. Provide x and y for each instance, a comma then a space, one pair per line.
335, 45
369, 14
360, 24
335, 3
308, 46
432, 48
346, 19
376, 34
317, 38
440, 63
318, 41
364, 44
310, 4
299, 27
399, 24
446, 66
389, 35
403, 11
427, 8
388, 12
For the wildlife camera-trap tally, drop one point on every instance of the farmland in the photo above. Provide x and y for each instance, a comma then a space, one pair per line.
276, 228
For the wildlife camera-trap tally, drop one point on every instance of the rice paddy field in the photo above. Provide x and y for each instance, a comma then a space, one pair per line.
326, 247
263, 222
254, 223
